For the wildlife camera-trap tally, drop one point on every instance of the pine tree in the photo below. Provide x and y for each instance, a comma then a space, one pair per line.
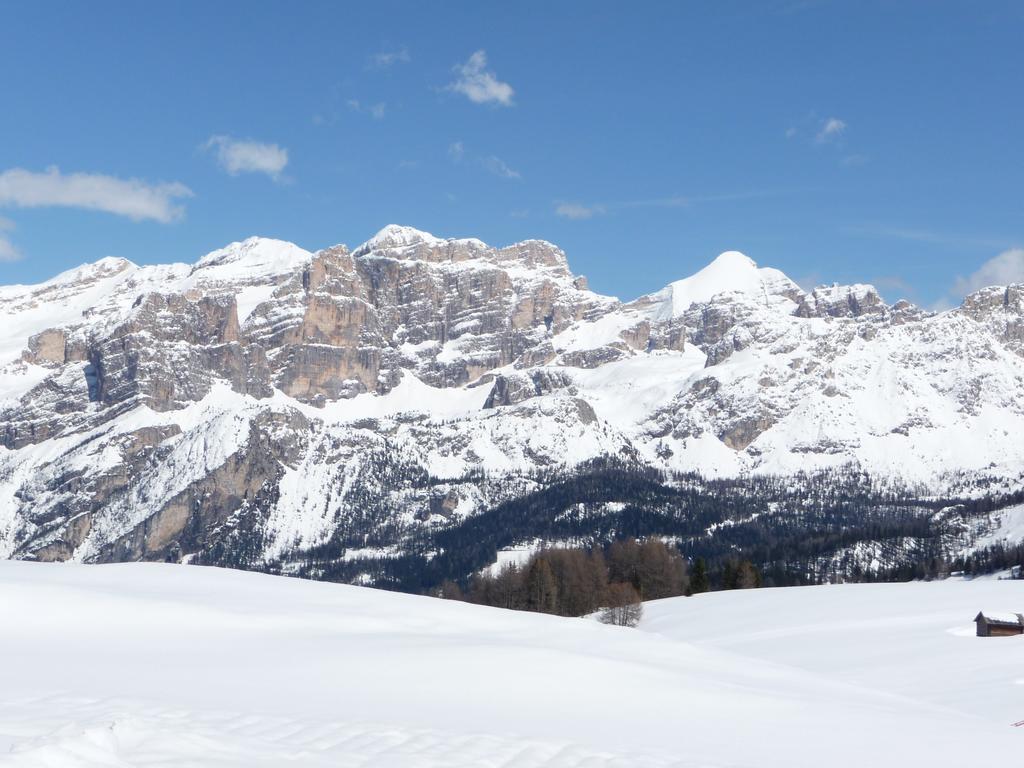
699, 577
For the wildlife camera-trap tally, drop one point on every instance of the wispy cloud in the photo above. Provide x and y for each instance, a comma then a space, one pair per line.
941, 304
457, 152
1003, 269
657, 202
797, 6
685, 201
8, 252
932, 237
832, 128
388, 58
480, 85
499, 167
376, 111
894, 287
809, 281
822, 132
238, 156
578, 211
133, 198
892, 283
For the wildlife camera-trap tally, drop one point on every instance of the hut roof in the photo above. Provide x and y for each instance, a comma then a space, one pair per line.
1001, 617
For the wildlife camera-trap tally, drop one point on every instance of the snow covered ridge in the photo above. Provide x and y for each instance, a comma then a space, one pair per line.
253, 402
214, 667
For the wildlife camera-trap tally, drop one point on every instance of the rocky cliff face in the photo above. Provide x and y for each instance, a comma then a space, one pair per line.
268, 401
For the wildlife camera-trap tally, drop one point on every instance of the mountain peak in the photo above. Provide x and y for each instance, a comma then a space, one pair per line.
397, 236
252, 258
729, 272
95, 270
732, 260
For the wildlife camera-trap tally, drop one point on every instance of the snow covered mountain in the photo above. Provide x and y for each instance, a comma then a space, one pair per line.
267, 401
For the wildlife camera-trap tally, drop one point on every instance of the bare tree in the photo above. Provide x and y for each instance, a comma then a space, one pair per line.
747, 576
508, 587
449, 590
654, 569
624, 607
541, 588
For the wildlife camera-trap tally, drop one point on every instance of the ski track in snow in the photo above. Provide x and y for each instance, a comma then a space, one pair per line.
126, 733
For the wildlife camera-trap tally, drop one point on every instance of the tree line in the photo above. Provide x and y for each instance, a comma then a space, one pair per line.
611, 580
580, 581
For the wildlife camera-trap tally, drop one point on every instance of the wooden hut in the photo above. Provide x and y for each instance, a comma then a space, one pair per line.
999, 624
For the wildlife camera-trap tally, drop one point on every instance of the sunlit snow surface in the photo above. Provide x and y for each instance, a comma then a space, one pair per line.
147, 665
730, 272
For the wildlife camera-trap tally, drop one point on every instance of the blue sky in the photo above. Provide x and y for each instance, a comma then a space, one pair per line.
838, 141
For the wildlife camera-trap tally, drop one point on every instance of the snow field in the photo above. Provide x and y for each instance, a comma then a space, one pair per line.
151, 664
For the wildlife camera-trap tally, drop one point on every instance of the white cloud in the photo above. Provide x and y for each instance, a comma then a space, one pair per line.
831, 129
456, 151
1006, 268
133, 198
385, 59
480, 85
499, 167
245, 156
940, 305
8, 252
578, 211
376, 111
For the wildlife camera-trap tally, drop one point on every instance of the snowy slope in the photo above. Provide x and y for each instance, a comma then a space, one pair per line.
1008, 528
914, 640
146, 665
28, 309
